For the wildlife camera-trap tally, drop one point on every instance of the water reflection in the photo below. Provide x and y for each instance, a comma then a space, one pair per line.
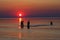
35, 33
19, 35
19, 31
19, 20
24, 34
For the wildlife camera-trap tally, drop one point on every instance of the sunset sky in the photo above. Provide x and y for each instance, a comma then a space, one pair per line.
30, 8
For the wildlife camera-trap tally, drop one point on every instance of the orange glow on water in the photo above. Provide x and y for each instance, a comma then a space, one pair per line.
19, 20
19, 27
19, 35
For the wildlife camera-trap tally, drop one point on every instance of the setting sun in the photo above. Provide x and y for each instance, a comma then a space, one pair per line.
20, 14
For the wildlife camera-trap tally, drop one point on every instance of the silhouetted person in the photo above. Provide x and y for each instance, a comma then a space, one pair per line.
22, 24
28, 25
51, 23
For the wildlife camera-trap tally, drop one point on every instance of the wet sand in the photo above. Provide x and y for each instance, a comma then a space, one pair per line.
39, 33
10, 30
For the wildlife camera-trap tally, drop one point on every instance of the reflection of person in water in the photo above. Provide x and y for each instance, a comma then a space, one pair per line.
51, 23
28, 25
22, 24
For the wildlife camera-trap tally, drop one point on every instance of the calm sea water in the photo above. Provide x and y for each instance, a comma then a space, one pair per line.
40, 29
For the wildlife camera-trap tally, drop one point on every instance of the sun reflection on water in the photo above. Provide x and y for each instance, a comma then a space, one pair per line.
19, 35
19, 20
19, 27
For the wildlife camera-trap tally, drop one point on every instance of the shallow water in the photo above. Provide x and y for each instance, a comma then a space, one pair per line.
40, 29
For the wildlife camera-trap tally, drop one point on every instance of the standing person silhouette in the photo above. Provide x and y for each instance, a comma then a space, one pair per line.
22, 24
51, 23
28, 25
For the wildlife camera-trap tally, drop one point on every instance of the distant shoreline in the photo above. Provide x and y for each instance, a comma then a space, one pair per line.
33, 17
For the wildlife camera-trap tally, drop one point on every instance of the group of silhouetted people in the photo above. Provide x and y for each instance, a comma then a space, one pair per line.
28, 24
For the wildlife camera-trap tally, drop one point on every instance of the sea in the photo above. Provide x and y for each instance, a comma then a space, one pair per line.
40, 29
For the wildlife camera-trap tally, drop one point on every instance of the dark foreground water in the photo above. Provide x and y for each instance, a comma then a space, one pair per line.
40, 29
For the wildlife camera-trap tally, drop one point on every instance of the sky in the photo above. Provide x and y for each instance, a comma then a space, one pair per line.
30, 8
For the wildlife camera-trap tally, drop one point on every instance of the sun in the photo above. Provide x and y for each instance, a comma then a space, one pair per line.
20, 14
